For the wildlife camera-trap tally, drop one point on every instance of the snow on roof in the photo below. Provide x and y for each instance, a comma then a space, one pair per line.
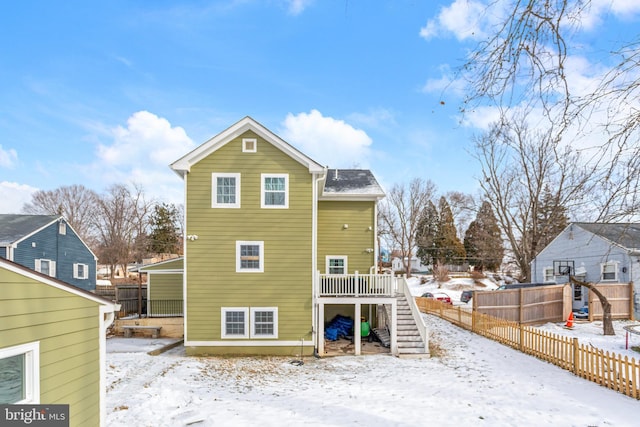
351, 182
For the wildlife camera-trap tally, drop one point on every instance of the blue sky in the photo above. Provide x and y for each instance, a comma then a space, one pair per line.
97, 93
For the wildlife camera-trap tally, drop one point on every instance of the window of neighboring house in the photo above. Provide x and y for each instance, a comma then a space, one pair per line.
249, 145
336, 264
548, 275
264, 322
62, 228
80, 271
225, 190
275, 191
609, 271
46, 266
249, 257
235, 322
20, 374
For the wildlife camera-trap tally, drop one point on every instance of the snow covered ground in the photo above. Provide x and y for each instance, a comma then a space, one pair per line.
469, 380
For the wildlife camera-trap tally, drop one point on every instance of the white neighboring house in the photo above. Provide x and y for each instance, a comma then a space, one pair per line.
592, 252
397, 264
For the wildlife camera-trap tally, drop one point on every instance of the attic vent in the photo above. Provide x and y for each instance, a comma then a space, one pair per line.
249, 145
336, 175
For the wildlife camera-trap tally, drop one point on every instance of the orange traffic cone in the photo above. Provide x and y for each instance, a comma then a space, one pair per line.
569, 323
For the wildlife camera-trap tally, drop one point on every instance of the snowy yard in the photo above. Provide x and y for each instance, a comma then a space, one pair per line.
469, 381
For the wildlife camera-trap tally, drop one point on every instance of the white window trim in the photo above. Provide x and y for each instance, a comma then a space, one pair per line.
31, 370
214, 190
247, 322
275, 322
249, 145
52, 266
85, 269
263, 191
62, 228
548, 272
241, 243
342, 257
615, 272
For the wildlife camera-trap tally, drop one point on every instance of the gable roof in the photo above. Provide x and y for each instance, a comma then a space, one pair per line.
351, 184
183, 165
16, 227
43, 278
626, 235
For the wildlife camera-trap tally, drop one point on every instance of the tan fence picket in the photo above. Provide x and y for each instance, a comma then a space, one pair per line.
601, 367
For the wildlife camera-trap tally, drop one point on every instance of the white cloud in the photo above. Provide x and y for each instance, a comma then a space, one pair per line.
13, 196
141, 153
8, 157
296, 7
463, 19
593, 16
328, 141
377, 118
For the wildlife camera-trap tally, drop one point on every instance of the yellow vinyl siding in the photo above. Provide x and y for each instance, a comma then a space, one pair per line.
334, 239
166, 286
67, 327
212, 281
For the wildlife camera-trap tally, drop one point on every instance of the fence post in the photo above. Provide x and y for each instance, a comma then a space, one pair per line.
576, 356
521, 328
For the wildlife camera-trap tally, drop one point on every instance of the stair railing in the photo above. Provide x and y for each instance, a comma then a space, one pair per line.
417, 316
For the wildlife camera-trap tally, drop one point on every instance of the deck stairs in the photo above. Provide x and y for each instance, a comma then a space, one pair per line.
410, 343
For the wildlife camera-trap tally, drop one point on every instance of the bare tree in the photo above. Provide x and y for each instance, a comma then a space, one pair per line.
517, 166
76, 203
121, 223
523, 63
399, 213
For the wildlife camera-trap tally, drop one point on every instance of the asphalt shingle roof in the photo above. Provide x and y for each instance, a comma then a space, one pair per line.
351, 182
626, 235
15, 227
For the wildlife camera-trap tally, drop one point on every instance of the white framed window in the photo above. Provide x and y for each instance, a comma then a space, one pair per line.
275, 191
548, 275
80, 271
235, 322
249, 145
225, 189
249, 257
264, 322
62, 228
336, 264
20, 374
609, 271
46, 266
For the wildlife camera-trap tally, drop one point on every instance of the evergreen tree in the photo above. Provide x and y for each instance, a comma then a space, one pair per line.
552, 218
427, 233
483, 240
436, 236
164, 236
451, 248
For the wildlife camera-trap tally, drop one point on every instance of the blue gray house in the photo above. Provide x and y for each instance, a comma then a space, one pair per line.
595, 253
49, 245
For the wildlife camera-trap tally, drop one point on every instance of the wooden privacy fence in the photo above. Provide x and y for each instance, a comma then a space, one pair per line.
540, 304
619, 295
607, 369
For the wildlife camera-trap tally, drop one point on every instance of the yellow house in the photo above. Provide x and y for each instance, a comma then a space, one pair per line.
275, 244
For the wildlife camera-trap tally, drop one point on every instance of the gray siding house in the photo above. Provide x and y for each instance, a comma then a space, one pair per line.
595, 253
48, 245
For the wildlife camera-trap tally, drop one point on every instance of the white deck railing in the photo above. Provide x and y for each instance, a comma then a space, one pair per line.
357, 285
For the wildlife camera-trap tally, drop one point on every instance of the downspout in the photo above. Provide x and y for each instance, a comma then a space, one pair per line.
314, 261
